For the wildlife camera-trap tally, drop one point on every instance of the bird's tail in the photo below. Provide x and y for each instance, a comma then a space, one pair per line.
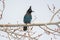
25, 28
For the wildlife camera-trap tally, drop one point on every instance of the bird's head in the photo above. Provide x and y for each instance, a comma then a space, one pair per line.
30, 10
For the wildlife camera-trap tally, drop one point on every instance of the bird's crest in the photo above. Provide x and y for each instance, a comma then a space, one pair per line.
29, 10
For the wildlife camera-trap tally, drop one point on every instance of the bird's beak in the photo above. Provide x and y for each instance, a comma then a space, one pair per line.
32, 11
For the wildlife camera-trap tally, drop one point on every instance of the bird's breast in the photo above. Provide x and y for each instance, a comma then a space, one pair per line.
27, 18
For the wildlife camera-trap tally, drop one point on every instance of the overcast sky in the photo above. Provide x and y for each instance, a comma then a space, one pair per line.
16, 9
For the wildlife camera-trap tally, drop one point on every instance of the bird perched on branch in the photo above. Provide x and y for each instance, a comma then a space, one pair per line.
27, 18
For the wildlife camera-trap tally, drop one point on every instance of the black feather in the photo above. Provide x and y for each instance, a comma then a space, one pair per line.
25, 28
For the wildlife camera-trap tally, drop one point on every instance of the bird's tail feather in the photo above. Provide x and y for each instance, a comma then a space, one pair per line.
25, 28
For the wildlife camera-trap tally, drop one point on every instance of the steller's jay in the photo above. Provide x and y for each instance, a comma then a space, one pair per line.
27, 18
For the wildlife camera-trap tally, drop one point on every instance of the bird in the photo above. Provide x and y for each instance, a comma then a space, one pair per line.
27, 18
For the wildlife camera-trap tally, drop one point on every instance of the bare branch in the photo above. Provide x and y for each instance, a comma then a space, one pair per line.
1, 11
36, 24
53, 8
51, 29
53, 11
54, 15
50, 8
